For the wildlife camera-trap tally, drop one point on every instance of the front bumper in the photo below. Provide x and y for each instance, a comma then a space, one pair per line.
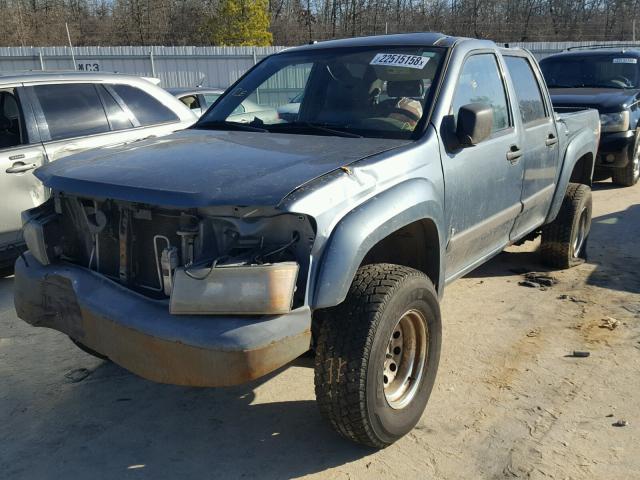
615, 149
141, 335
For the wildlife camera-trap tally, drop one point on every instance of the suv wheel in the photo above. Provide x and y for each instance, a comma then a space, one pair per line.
377, 355
564, 241
628, 176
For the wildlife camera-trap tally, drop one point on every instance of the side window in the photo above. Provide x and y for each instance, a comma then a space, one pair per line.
71, 110
146, 108
210, 98
191, 101
527, 89
10, 122
481, 82
118, 118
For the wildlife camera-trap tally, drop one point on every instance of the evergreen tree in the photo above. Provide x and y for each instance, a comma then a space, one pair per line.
240, 23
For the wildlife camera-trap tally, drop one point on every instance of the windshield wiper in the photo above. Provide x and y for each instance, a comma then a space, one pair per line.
329, 129
226, 125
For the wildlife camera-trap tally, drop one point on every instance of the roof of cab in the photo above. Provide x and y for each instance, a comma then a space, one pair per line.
63, 75
420, 38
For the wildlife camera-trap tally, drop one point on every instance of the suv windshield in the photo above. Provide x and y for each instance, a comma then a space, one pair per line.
591, 71
378, 92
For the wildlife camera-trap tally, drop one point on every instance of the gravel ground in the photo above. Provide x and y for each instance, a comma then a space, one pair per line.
508, 403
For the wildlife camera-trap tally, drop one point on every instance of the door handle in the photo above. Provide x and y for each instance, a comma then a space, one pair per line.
551, 140
20, 167
514, 153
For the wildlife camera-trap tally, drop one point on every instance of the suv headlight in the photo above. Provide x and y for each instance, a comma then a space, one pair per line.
615, 122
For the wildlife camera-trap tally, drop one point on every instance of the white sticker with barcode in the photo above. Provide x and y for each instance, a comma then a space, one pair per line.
400, 60
625, 60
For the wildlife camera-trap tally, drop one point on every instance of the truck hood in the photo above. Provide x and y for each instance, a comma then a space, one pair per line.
605, 100
197, 168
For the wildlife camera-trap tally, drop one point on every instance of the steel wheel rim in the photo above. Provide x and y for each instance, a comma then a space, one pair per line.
405, 359
581, 234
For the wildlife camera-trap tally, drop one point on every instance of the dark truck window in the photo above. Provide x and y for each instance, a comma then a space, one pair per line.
481, 82
71, 110
613, 70
146, 108
527, 89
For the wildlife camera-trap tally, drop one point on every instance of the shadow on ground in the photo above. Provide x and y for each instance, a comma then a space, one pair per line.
612, 247
113, 424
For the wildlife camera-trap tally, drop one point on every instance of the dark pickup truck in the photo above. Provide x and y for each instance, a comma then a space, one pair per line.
608, 80
215, 255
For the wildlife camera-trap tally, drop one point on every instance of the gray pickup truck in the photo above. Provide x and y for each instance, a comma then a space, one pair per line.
216, 255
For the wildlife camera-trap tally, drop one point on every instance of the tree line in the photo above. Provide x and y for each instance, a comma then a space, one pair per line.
292, 22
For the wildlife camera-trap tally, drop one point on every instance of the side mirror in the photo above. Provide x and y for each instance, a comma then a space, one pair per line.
474, 124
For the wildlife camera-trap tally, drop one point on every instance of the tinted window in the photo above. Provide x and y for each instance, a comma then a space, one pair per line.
480, 82
71, 110
9, 120
527, 89
613, 70
118, 118
146, 108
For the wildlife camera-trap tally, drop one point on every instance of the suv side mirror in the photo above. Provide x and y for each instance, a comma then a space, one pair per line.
474, 124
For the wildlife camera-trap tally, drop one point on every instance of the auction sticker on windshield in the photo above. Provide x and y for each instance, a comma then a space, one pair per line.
400, 60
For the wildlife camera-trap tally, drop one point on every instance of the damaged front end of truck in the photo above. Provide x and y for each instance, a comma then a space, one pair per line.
136, 283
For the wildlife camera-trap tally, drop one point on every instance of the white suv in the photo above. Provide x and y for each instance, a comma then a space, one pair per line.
47, 115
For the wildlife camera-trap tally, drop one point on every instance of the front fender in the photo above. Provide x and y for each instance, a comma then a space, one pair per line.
365, 226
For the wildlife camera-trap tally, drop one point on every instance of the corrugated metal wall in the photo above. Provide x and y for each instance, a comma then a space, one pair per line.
175, 66
182, 66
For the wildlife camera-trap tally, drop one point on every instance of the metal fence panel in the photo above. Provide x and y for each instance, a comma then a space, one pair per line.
185, 66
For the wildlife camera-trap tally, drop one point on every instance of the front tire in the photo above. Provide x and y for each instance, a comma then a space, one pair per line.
377, 355
628, 175
564, 241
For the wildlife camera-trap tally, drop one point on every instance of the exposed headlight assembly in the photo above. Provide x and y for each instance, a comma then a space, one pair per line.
615, 122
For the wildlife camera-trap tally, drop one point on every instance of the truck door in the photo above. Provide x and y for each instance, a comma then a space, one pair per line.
539, 143
483, 183
20, 153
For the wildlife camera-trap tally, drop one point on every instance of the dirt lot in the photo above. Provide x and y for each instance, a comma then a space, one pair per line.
508, 403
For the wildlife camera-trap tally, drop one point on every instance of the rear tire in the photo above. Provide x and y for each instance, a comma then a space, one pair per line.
628, 176
564, 241
377, 355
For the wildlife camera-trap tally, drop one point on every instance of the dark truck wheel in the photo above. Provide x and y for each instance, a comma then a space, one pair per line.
628, 176
88, 350
564, 241
377, 355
